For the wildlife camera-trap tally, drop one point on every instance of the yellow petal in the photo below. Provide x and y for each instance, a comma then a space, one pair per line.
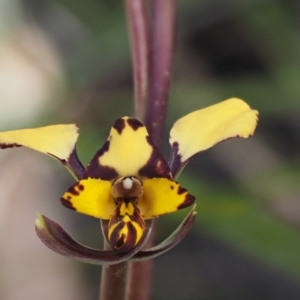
57, 141
161, 196
204, 128
128, 151
91, 197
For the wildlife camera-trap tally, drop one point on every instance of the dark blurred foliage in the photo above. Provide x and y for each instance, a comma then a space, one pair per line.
246, 242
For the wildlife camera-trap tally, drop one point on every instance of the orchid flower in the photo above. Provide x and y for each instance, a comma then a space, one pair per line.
128, 182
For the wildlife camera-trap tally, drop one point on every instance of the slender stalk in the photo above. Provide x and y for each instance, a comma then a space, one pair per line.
138, 29
163, 16
162, 37
113, 281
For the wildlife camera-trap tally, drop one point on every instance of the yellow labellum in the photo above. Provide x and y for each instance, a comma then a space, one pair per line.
204, 128
57, 141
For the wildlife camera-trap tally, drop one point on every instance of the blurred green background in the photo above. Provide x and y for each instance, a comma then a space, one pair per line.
68, 61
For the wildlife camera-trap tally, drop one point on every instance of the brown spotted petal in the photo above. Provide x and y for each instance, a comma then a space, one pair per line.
181, 231
55, 238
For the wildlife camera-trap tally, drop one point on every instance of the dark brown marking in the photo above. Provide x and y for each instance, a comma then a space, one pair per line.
63, 161
156, 165
119, 125
74, 190
134, 124
75, 163
13, 145
181, 190
95, 170
188, 201
131, 238
67, 203
175, 162
115, 240
172, 187
81, 187
120, 242
69, 197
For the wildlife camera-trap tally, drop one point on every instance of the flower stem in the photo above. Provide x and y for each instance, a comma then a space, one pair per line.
113, 281
163, 16
138, 29
162, 37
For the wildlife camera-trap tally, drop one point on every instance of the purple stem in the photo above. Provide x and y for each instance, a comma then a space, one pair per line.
162, 37
138, 29
113, 281
163, 17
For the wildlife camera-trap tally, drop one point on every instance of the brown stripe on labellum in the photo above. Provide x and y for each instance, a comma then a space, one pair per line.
119, 240
131, 238
115, 239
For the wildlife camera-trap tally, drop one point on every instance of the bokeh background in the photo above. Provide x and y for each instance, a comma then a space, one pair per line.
67, 61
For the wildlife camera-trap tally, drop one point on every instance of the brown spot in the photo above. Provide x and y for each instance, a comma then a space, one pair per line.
81, 187
13, 145
69, 197
96, 170
181, 190
67, 203
156, 165
188, 201
175, 162
134, 124
119, 125
74, 190
172, 187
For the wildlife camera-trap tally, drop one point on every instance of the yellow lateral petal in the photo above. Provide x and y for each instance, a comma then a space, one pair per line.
128, 152
57, 141
91, 197
161, 196
204, 128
